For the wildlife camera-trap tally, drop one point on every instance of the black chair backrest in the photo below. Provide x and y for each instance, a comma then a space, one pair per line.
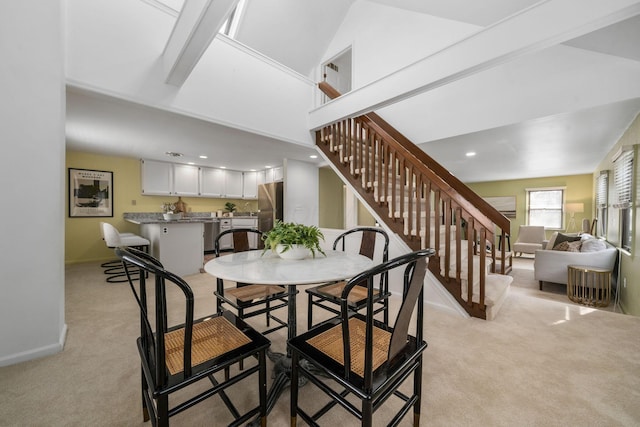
415, 267
154, 325
240, 239
367, 241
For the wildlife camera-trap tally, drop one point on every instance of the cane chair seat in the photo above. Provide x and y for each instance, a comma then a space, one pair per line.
356, 357
175, 354
248, 299
372, 242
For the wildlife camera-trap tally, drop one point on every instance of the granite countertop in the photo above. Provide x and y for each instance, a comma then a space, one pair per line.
156, 218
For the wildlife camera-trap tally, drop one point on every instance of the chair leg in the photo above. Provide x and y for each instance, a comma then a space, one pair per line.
294, 389
417, 390
268, 305
385, 310
162, 411
310, 312
367, 412
145, 390
262, 377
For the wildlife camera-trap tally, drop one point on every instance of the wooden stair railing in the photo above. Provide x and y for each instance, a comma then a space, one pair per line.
421, 201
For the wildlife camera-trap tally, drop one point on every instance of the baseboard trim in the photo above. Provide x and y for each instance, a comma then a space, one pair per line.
36, 353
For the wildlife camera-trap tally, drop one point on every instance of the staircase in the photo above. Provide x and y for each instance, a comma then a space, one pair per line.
423, 203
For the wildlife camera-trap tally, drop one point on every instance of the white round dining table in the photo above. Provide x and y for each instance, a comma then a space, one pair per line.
269, 269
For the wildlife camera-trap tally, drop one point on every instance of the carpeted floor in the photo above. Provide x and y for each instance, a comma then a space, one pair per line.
542, 362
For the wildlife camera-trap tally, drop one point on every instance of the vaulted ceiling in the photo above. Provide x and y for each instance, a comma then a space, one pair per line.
573, 94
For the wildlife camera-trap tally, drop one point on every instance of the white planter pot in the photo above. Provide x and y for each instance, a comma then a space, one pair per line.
294, 252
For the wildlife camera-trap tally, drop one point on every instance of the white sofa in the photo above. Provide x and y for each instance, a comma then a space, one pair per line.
551, 265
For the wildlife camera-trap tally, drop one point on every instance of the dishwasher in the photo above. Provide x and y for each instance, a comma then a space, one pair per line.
211, 231
226, 242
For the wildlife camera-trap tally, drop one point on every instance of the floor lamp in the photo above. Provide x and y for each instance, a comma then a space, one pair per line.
572, 209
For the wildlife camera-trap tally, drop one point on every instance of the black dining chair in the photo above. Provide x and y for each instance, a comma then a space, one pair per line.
246, 298
368, 359
176, 354
327, 296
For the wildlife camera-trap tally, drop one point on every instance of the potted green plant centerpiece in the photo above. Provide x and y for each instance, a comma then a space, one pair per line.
293, 241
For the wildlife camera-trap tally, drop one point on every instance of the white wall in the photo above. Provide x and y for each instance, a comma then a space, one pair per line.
385, 39
33, 176
300, 192
230, 85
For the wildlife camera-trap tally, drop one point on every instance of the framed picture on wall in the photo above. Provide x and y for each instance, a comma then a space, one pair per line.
90, 193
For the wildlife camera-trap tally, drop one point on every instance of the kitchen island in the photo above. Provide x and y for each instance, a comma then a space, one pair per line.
178, 244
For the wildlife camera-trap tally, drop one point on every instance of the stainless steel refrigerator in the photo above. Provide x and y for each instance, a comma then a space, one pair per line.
269, 205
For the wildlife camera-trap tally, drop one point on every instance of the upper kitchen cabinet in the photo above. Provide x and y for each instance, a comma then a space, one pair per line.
186, 180
220, 183
274, 175
234, 184
250, 185
212, 182
162, 178
157, 177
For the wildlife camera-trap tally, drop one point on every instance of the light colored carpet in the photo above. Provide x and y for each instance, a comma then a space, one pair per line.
542, 362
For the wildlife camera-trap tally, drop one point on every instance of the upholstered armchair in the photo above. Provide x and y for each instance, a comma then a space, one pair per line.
530, 238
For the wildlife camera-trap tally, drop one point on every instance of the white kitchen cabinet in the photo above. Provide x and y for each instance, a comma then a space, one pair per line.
157, 177
261, 177
179, 246
163, 178
220, 183
273, 175
250, 185
212, 182
278, 174
185, 180
233, 184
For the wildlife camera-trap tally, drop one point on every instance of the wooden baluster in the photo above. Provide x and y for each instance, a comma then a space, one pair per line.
447, 239
437, 213
470, 231
482, 269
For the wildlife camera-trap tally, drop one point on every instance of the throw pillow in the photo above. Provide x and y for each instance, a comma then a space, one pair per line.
565, 238
593, 245
568, 246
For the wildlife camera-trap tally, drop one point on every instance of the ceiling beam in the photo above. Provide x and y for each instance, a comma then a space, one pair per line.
540, 26
197, 25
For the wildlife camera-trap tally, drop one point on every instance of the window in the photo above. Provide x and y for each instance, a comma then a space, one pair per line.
230, 26
602, 195
545, 207
623, 185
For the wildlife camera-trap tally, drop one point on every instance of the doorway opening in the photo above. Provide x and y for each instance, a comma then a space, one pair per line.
337, 72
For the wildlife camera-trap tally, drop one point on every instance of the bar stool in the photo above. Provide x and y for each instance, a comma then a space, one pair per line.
110, 267
113, 239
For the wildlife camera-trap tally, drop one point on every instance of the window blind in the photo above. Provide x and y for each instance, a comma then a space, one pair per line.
623, 179
602, 190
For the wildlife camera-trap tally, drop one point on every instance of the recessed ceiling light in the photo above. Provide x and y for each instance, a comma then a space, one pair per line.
223, 167
313, 156
173, 154
470, 154
268, 167
190, 163
252, 170
203, 157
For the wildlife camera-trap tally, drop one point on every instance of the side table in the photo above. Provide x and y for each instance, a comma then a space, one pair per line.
589, 285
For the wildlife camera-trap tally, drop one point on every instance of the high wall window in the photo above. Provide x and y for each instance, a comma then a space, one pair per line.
545, 207
230, 26
602, 200
623, 186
